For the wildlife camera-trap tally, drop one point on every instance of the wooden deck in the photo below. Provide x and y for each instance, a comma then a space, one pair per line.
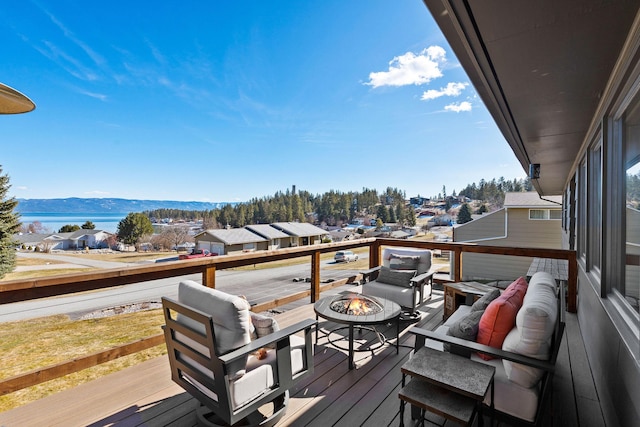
144, 395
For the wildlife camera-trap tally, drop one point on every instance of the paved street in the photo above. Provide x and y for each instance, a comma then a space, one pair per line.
260, 285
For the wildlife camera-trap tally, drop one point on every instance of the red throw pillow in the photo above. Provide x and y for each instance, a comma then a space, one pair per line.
500, 316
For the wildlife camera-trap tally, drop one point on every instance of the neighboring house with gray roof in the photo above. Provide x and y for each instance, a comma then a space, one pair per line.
526, 220
276, 238
79, 239
302, 233
229, 241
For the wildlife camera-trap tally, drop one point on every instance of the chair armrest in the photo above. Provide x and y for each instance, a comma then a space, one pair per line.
255, 345
417, 280
366, 274
423, 334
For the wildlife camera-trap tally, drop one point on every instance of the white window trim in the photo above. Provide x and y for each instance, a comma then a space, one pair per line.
546, 215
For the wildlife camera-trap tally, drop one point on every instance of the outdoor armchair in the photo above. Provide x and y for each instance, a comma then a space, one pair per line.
213, 357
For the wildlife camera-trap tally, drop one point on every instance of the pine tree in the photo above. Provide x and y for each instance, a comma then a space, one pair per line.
133, 227
464, 215
9, 226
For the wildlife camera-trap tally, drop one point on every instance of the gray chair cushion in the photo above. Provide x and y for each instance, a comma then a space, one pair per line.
483, 302
404, 262
395, 277
465, 328
230, 315
424, 263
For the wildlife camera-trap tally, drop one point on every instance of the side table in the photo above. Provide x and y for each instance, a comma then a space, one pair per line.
446, 384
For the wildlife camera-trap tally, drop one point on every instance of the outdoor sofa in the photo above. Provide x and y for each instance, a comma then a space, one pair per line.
521, 340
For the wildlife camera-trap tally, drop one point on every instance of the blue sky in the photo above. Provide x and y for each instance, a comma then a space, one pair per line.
226, 101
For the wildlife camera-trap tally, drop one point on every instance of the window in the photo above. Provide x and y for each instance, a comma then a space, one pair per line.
630, 287
595, 209
582, 211
545, 214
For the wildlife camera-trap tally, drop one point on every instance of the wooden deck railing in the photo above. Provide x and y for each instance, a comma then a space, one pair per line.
23, 290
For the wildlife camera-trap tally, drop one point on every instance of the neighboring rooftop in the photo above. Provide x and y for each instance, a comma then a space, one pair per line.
234, 236
531, 199
267, 231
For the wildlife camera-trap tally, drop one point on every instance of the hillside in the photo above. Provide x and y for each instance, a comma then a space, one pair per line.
81, 205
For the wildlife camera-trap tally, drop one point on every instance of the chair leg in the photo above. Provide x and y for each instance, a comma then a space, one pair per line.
206, 418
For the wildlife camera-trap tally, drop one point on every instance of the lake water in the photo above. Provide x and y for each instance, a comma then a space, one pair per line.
54, 221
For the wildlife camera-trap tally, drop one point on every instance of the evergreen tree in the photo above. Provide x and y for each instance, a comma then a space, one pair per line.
464, 215
133, 227
88, 226
69, 228
9, 226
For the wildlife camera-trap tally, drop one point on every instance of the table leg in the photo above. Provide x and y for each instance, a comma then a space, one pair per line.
351, 364
398, 335
402, 403
317, 329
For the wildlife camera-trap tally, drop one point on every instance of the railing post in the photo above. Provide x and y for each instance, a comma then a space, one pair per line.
315, 276
573, 283
374, 255
209, 276
457, 272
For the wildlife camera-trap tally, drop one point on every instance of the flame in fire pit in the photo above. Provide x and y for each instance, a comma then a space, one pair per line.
355, 305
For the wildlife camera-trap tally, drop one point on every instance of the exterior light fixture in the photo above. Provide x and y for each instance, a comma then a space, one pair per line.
534, 170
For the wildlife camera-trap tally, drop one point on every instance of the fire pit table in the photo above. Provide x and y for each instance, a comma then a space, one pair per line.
357, 310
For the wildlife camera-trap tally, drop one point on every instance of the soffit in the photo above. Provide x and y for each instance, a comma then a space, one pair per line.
541, 68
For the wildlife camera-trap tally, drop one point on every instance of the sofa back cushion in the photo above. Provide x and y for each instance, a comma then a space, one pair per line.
500, 316
424, 255
535, 324
483, 302
465, 328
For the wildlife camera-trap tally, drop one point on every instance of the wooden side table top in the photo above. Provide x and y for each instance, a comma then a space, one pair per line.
452, 372
475, 288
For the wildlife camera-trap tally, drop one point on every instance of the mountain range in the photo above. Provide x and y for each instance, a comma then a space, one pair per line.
94, 205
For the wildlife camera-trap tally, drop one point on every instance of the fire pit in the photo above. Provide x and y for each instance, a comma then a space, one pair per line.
355, 305
363, 312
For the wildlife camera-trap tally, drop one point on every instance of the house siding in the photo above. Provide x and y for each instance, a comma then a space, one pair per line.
520, 232
489, 226
612, 362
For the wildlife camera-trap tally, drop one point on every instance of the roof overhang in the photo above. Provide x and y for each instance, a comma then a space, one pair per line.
541, 68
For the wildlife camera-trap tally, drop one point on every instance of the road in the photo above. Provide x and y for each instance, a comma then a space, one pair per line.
259, 285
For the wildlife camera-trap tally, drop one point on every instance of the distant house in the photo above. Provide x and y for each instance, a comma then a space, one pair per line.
340, 235
526, 220
276, 239
301, 233
229, 241
80, 239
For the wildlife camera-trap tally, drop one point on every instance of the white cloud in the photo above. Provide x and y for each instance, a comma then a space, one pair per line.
452, 89
461, 106
411, 69
22, 187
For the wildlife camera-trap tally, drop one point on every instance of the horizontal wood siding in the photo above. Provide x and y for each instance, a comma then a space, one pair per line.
521, 232
524, 232
493, 267
487, 227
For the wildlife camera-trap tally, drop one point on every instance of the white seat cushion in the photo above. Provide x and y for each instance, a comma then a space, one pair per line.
510, 397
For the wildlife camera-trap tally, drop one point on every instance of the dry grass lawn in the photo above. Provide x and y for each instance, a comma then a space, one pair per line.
27, 345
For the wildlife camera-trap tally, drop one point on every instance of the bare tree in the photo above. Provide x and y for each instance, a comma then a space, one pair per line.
172, 237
